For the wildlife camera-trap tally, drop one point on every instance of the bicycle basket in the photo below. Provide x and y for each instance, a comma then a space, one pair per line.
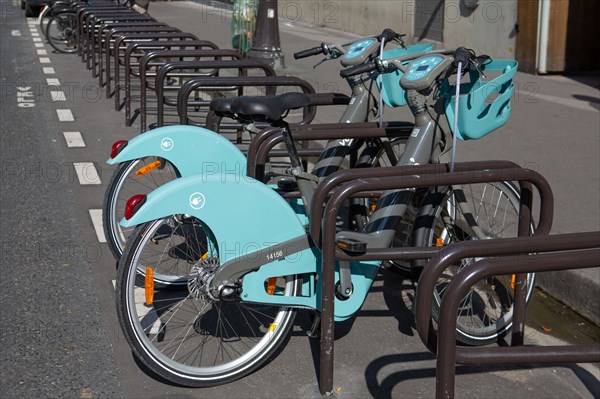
483, 106
389, 83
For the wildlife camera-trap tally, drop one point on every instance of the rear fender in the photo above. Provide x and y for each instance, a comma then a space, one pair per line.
191, 149
244, 215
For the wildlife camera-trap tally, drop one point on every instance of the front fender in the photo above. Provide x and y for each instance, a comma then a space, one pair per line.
191, 149
243, 214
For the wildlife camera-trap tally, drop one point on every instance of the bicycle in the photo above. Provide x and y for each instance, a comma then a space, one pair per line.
140, 172
207, 290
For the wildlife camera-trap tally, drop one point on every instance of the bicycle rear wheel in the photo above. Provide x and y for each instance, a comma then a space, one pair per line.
182, 332
140, 176
485, 313
61, 32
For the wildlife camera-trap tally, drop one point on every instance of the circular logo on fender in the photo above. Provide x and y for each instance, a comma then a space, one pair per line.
167, 144
197, 200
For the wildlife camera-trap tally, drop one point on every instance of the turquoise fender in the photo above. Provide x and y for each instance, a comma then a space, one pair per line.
191, 149
251, 223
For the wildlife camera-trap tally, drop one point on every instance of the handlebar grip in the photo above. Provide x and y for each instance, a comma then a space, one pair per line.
355, 70
308, 53
388, 34
462, 55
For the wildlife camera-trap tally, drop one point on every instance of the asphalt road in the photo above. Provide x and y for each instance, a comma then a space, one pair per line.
59, 336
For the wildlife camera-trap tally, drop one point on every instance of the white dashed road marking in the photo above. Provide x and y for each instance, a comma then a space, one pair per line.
65, 115
42, 52
49, 71
86, 173
74, 139
37, 39
53, 82
44, 60
38, 44
16, 33
58, 95
96, 215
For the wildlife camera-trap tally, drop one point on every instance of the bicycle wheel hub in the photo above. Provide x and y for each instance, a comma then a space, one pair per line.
200, 277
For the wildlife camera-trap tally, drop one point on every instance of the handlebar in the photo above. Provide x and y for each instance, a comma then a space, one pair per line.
358, 69
309, 52
388, 35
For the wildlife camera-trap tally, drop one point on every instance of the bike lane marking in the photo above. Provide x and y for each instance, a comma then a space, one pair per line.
96, 216
58, 95
74, 139
65, 115
87, 173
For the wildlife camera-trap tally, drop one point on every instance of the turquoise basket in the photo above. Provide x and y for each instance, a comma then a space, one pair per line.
389, 88
484, 106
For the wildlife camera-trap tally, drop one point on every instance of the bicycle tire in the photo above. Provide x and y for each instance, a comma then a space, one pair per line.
485, 314
61, 32
123, 184
185, 336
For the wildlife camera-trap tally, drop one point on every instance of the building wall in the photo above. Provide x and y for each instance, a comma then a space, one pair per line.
362, 17
488, 29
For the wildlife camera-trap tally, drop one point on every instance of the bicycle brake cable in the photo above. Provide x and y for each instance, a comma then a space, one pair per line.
380, 79
454, 141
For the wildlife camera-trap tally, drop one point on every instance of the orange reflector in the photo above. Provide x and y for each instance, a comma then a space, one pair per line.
272, 327
271, 284
439, 242
147, 169
204, 256
373, 207
513, 280
149, 286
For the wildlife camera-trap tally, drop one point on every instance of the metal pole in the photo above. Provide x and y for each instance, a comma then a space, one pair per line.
266, 44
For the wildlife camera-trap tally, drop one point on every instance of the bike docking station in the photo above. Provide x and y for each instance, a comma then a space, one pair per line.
119, 45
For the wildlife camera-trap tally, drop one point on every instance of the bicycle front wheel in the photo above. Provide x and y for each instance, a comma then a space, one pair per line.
172, 322
485, 313
61, 32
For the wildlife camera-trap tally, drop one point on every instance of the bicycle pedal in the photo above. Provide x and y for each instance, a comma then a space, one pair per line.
352, 246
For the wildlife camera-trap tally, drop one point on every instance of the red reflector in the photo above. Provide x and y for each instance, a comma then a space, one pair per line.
133, 204
117, 147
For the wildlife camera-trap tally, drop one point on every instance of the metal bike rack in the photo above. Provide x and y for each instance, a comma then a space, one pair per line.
213, 66
119, 46
88, 18
96, 47
96, 21
421, 176
150, 60
583, 252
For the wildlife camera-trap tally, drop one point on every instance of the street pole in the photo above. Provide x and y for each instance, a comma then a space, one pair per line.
266, 44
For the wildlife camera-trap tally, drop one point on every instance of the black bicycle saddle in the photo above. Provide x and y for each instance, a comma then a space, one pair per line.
268, 108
